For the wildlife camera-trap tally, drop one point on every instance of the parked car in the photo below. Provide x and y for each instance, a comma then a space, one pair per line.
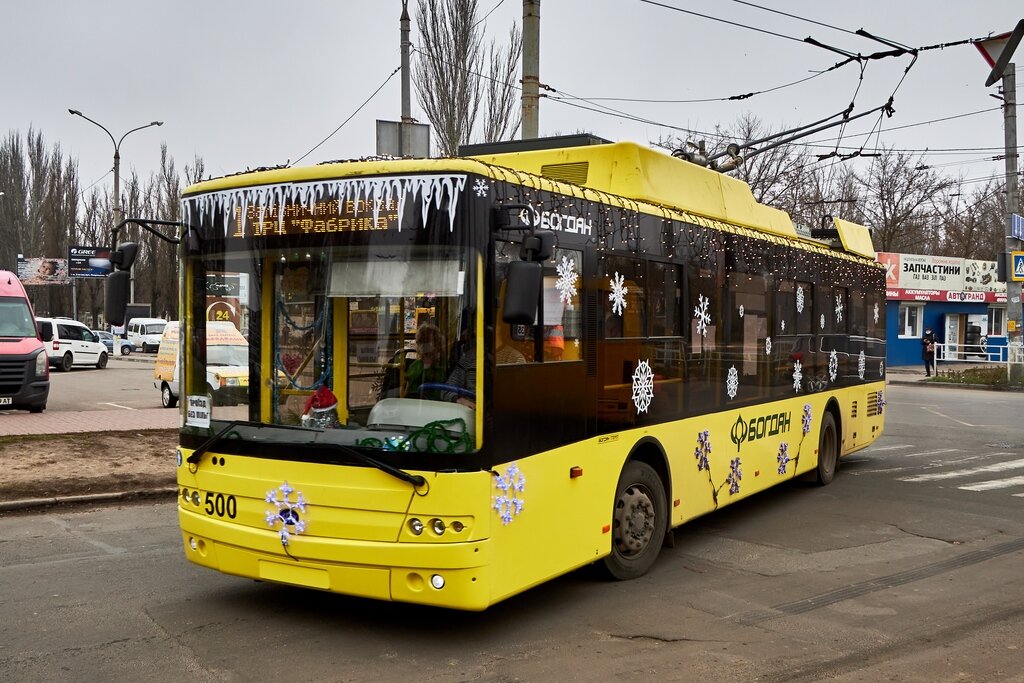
124, 347
145, 333
69, 343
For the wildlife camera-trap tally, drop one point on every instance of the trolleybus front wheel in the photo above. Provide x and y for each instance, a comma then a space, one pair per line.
639, 521
828, 451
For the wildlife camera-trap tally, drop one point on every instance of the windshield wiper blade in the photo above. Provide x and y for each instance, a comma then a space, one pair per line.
209, 443
397, 472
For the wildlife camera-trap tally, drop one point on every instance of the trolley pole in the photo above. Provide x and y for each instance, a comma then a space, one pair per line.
531, 68
405, 127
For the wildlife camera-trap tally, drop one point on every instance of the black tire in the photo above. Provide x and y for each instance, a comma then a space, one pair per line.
828, 451
66, 362
167, 399
126, 350
639, 521
102, 362
37, 409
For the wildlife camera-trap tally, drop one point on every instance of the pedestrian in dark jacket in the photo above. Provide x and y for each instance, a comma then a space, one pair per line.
928, 351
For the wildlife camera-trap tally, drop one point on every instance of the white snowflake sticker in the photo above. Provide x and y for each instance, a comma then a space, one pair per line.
821, 321
286, 512
481, 188
799, 299
839, 308
741, 310
768, 346
881, 368
861, 363
876, 313
643, 386
511, 484
798, 375
833, 365
618, 294
566, 283
732, 383
783, 324
701, 315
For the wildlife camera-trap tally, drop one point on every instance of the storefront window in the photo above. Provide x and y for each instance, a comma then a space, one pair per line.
910, 319
997, 321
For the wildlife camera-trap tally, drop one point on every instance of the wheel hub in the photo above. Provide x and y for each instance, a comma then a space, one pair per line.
634, 520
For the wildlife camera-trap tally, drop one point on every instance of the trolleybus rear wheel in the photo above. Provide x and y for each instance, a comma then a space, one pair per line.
828, 451
639, 520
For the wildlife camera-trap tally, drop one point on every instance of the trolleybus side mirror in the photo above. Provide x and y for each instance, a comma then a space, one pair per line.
538, 246
522, 292
117, 285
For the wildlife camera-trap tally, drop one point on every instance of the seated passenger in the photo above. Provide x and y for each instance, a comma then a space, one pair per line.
427, 368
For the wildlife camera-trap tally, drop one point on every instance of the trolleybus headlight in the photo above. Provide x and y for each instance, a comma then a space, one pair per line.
437, 525
184, 494
415, 526
195, 498
437, 581
193, 543
457, 526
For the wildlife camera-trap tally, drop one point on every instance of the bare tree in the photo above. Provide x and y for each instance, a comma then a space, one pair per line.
450, 79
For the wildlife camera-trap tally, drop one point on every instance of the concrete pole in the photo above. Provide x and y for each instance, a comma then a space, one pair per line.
405, 129
531, 68
1013, 289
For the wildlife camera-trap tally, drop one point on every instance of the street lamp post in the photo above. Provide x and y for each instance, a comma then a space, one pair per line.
117, 171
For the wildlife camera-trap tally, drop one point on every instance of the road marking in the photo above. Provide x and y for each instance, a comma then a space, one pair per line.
117, 405
877, 449
995, 484
996, 467
965, 424
936, 452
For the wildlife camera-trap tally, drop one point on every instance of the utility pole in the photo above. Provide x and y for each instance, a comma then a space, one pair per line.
1013, 287
405, 132
531, 68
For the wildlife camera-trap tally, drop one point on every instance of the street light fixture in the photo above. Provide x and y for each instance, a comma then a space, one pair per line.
117, 168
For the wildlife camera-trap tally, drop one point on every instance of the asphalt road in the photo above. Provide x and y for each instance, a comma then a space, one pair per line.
124, 383
908, 567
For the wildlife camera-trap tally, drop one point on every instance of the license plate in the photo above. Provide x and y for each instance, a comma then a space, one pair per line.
6, 401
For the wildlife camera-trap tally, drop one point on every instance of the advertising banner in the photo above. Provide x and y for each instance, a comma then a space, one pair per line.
43, 271
917, 277
89, 261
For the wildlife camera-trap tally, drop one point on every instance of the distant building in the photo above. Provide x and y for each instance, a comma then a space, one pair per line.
959, 299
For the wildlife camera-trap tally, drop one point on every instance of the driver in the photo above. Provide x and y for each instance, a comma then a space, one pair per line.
427, 368
463, 377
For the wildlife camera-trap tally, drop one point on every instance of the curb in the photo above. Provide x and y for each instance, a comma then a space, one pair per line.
118, 496
951, 385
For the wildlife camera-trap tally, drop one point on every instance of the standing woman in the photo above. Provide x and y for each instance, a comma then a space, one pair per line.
928, 351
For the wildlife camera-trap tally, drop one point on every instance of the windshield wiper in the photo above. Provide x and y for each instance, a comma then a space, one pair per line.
414, 479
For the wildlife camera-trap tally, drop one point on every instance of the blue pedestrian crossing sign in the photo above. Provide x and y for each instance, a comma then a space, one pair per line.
1017, 259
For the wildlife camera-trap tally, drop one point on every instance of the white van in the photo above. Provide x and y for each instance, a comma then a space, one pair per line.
69, 343
227, 369
145, 333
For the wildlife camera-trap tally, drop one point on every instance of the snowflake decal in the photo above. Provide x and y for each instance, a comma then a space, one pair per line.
881, 368
839, 308
643, 386
481, 187
735, 474
881, 402
798, 375
701, 315
783, 324
783, 457
703, 451
806, 419
876, 313
618, 294
821, 321
511, 484
768, 346
566, 283
861, 363
286, 512
833, 365
741, 310
732, 383
799, 299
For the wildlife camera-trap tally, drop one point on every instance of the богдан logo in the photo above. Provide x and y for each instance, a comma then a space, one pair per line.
758, 427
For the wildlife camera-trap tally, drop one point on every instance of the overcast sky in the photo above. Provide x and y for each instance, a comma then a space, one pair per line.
260, 82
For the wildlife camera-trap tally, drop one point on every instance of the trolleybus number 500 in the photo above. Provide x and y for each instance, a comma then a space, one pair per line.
220, 505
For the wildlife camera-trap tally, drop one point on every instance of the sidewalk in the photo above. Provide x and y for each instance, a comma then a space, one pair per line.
69, 422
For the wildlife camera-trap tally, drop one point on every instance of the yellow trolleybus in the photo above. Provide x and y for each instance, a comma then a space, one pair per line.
468, 376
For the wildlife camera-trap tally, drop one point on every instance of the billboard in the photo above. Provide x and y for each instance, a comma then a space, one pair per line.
89, 261
43, 271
